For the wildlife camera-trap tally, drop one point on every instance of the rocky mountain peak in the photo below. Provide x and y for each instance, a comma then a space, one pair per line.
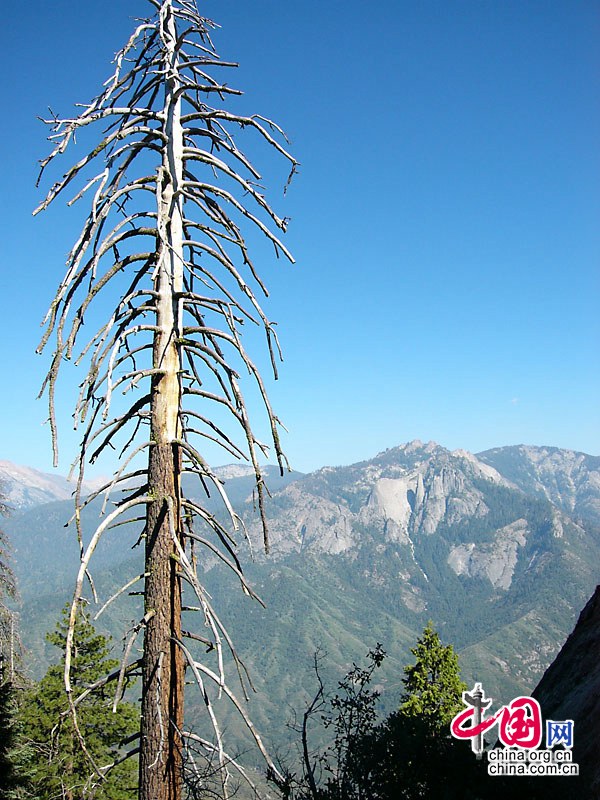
568, 479
418, 446
24, 487
404, 492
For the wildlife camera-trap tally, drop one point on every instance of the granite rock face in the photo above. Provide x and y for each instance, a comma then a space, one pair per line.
570, 689
306, 521
405, 492
568, 479
418, 492
494, 560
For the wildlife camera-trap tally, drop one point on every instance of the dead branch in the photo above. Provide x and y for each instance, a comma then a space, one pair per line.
157, 216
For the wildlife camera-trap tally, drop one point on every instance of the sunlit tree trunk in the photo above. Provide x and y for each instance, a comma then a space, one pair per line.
163, 661
182, 256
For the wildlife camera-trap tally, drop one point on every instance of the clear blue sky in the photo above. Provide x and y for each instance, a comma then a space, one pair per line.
444, 221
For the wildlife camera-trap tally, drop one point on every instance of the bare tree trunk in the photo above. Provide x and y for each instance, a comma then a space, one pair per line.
162, 667
163, 660
158, 100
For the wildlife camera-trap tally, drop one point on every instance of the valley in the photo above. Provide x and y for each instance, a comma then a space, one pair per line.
497, 549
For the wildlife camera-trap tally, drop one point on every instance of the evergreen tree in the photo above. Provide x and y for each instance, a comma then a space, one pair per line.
9, 780
412, 754
54, 763
433, 688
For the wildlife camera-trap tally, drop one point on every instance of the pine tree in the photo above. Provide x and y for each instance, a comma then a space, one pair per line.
409, 755
8, 774
433, 688
51, 755
412, 754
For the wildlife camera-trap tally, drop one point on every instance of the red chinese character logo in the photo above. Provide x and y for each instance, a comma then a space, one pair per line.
461, 730
521, 723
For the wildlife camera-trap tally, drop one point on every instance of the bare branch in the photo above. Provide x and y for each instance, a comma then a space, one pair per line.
169, 193
119, 592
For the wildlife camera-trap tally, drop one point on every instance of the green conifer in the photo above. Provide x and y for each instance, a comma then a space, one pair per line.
415, 754
52, 757
9, 780
433, 688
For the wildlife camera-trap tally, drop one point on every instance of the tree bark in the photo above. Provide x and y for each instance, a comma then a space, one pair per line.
162, 666
163, 661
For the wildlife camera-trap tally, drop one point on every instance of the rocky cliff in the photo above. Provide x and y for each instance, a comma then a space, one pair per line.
570, 689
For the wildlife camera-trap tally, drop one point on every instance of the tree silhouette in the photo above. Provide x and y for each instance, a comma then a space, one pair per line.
170, 196
410, 754
9, 777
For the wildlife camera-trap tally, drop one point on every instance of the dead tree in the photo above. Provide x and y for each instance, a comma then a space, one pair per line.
171, 194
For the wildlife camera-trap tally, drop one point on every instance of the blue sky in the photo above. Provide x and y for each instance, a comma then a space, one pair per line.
444, 220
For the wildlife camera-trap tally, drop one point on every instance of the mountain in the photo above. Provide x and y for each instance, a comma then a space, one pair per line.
484, 545
408, 491
568, 479
24, 487
570, 689
445, 535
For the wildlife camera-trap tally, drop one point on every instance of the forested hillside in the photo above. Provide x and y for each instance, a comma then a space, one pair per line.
365, 554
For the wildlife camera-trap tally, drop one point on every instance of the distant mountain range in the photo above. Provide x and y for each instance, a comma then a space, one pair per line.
24, 487
499, 549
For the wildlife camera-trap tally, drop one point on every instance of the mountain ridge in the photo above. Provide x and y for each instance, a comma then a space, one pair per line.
25, 487
369, 552
31, 486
